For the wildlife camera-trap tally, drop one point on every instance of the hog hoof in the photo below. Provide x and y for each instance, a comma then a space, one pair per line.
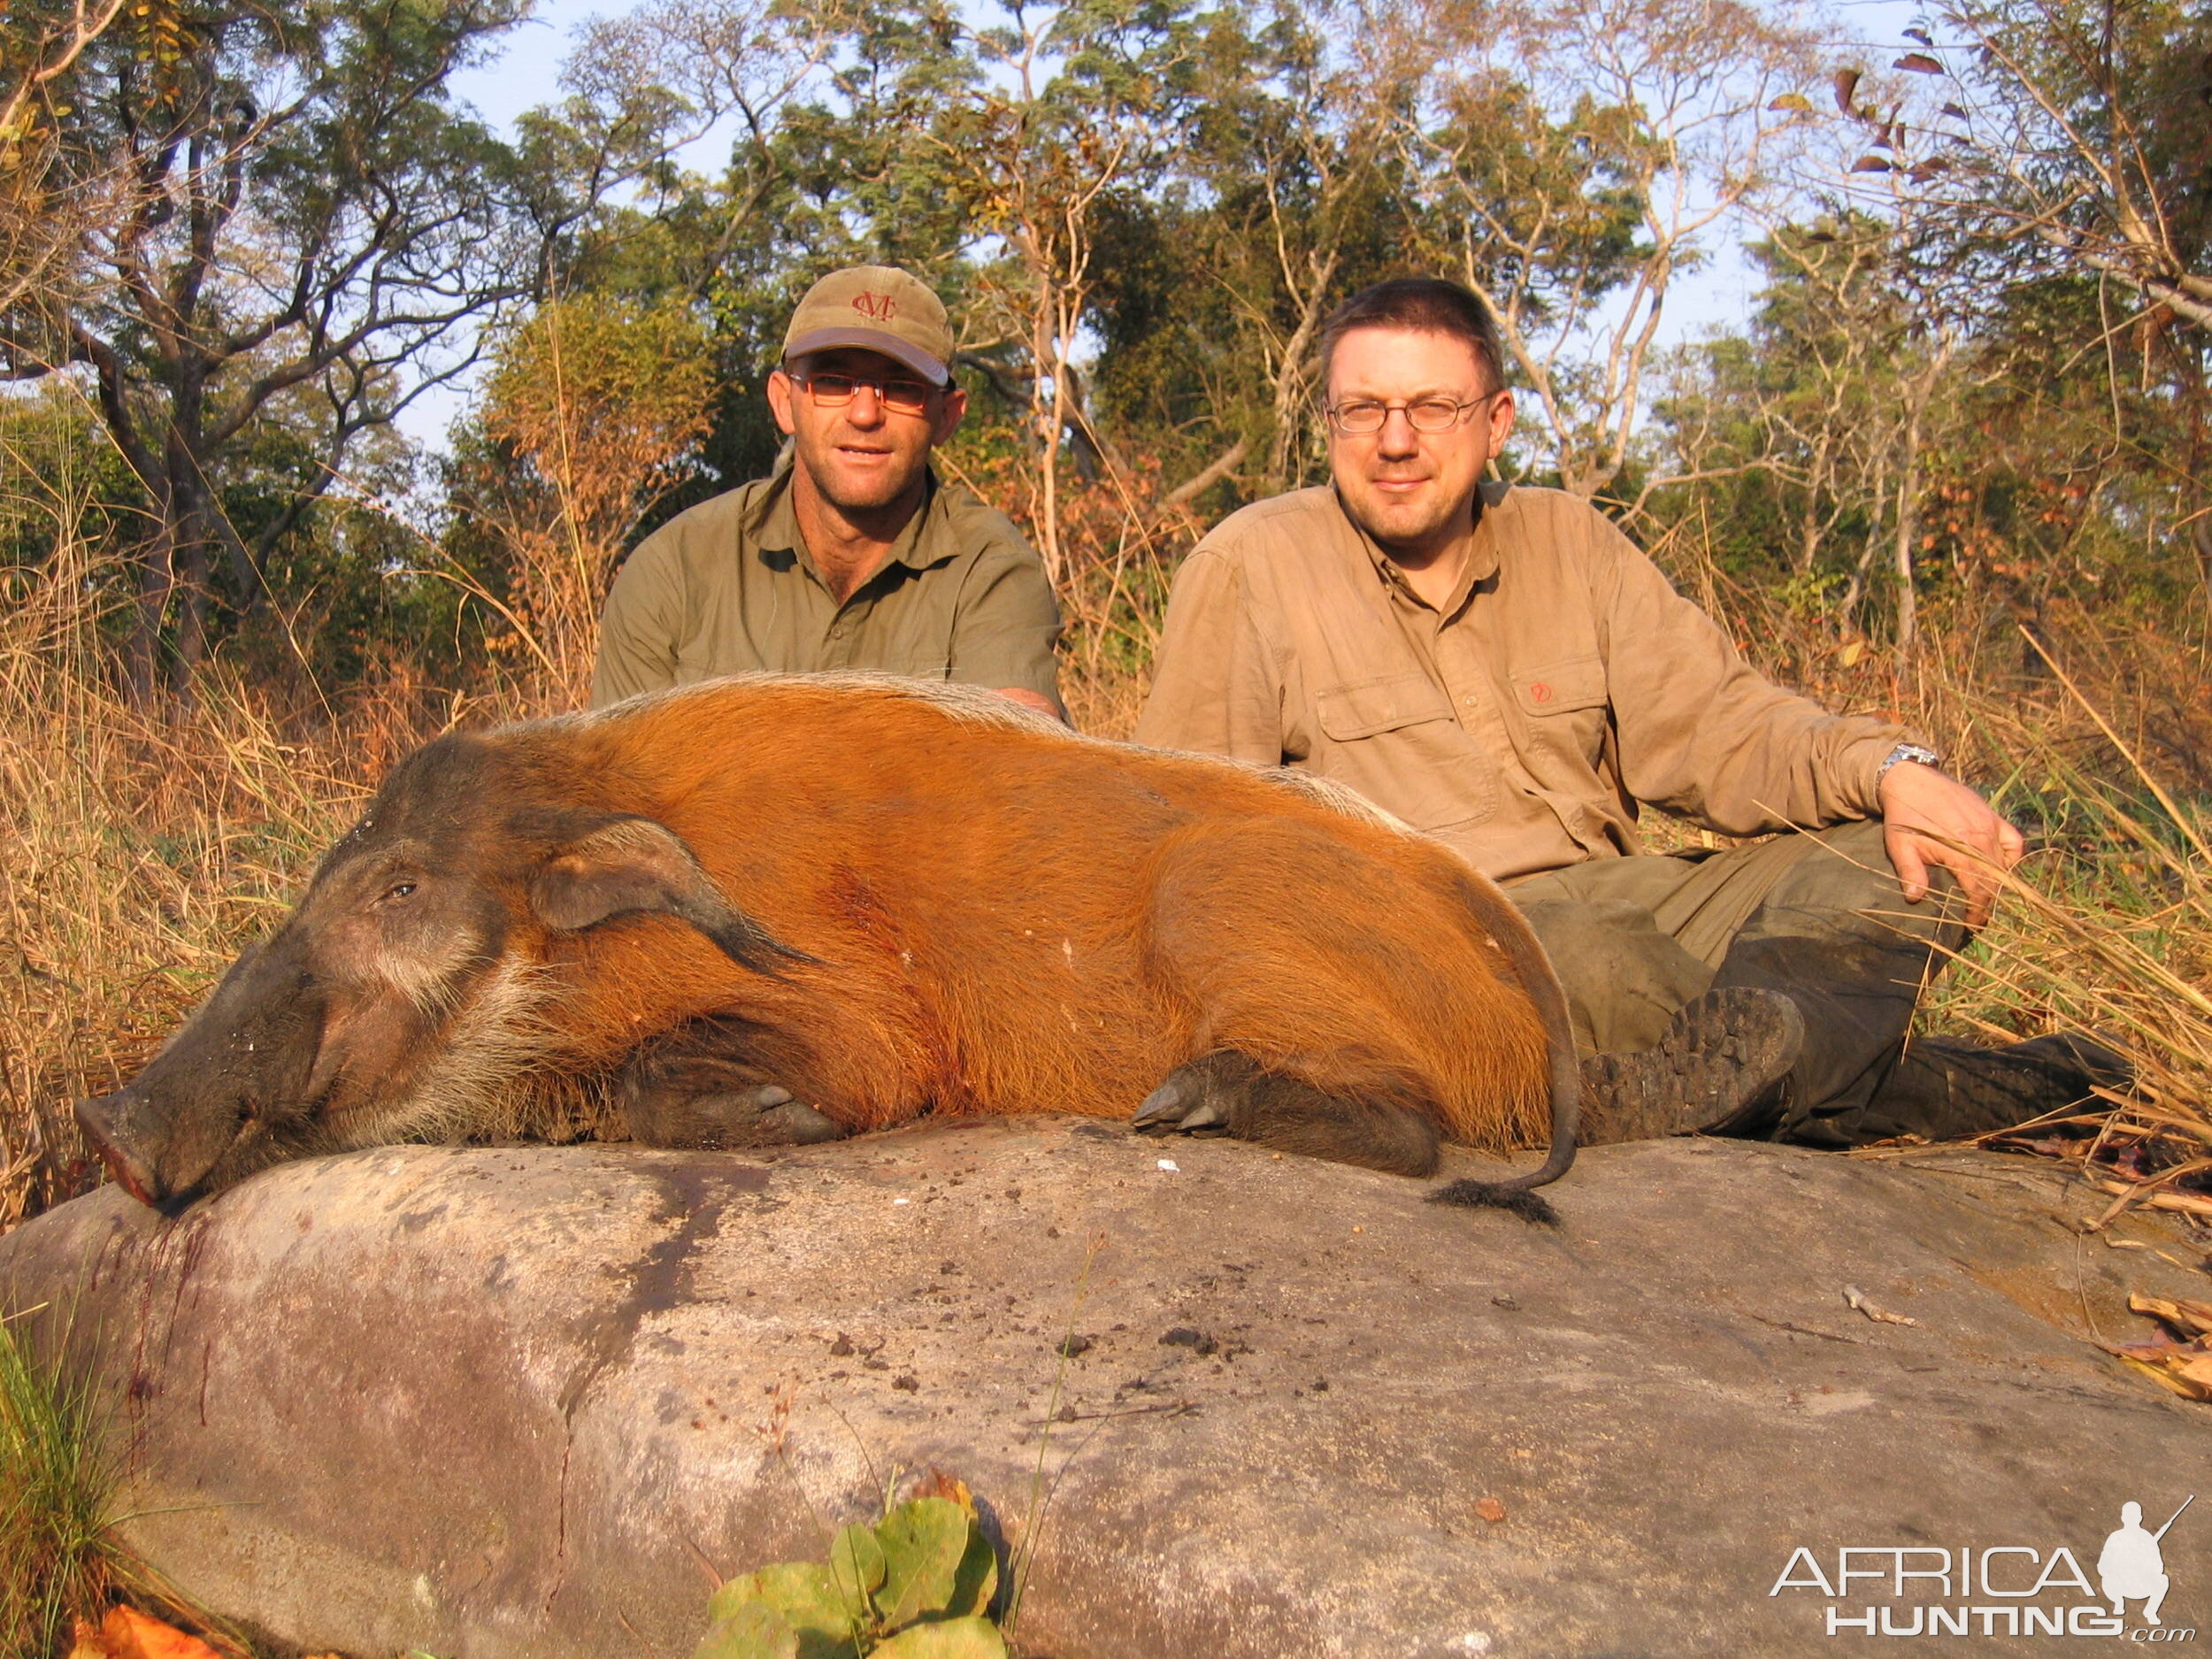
795, 1123
1176, 1109
765, 1115
1195, 1099
1230, 1093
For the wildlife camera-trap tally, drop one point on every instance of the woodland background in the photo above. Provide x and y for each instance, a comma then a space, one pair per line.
1953, 461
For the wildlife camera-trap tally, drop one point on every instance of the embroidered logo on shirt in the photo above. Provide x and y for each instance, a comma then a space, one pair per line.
1540, 693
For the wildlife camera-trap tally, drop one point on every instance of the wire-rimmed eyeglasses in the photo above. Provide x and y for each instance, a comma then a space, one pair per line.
1362, 416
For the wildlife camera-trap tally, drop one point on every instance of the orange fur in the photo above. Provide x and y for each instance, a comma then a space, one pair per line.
1010, 918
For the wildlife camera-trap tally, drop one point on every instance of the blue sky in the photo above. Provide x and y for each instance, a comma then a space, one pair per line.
525, 73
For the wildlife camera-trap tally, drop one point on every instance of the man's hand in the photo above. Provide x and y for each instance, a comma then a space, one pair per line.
1929, 818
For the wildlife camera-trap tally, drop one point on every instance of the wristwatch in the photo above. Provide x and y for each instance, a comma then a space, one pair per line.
1919, 753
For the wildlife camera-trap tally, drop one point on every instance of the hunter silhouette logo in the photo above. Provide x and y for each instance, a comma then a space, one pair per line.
2130, 1565
881, 307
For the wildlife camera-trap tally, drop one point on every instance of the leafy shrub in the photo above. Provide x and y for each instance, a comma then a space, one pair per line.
918, 1585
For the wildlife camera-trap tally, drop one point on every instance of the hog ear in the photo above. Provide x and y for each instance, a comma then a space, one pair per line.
633, 866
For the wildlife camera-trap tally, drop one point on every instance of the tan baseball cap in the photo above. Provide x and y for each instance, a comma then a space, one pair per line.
881, 308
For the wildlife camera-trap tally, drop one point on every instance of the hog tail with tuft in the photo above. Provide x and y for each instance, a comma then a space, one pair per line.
1516, 1195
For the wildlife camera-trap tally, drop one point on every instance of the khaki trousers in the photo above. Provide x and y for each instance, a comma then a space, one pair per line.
1818, 915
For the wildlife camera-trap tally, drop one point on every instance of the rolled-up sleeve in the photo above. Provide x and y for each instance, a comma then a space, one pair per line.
1216, 682
1007, 623
1703, 734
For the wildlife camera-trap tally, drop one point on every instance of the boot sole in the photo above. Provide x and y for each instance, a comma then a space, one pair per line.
1724, 1053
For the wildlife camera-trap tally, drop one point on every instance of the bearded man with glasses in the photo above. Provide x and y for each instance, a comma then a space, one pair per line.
852, 555
1499, 666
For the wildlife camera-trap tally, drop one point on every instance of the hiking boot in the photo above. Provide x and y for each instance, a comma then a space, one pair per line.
1944, 1089
1719, 1067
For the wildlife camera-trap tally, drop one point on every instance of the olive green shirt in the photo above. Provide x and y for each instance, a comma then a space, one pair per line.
1562, 684
728, 588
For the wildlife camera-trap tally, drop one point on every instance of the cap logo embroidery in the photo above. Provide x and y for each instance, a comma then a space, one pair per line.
881, 307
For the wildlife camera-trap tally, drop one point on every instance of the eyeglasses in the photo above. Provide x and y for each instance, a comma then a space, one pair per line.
901, 397
1426, 414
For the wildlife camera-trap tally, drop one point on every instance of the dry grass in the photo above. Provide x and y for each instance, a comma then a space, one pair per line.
2093, 732
2109, 929
138, 852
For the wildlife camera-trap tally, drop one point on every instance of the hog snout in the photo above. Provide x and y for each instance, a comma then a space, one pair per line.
156, 1155
116, 1125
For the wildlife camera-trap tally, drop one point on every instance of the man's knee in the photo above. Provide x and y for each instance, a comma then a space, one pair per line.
1624, 979
1845, 885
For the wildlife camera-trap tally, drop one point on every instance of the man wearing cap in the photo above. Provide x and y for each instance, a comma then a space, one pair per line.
852, 555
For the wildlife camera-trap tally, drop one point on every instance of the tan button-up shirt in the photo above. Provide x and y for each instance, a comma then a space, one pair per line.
1564, 683
727, 587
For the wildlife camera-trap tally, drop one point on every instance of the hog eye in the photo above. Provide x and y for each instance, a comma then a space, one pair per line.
398, 890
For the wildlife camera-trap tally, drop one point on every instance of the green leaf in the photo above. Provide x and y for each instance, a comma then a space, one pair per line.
977, 1580
953, 1639
756, 1631
924, 1543
857, 1566
802, 1592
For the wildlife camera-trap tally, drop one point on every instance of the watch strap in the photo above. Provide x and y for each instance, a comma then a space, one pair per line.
1918, 754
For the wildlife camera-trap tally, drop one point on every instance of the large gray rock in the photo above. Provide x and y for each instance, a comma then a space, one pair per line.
499, 1403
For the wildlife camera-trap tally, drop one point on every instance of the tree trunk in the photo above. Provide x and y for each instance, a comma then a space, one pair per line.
155, 578
1294, 386
1908, 531
1809, 525
1909, 515
191, 610
1044, 360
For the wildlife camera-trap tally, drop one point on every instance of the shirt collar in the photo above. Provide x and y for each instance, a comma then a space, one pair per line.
918, 545
1482, 555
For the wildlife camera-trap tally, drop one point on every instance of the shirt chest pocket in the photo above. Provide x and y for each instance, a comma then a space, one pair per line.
1369, 708
926, 664
1394, 739
1564, 704
898, 636
1561, 687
